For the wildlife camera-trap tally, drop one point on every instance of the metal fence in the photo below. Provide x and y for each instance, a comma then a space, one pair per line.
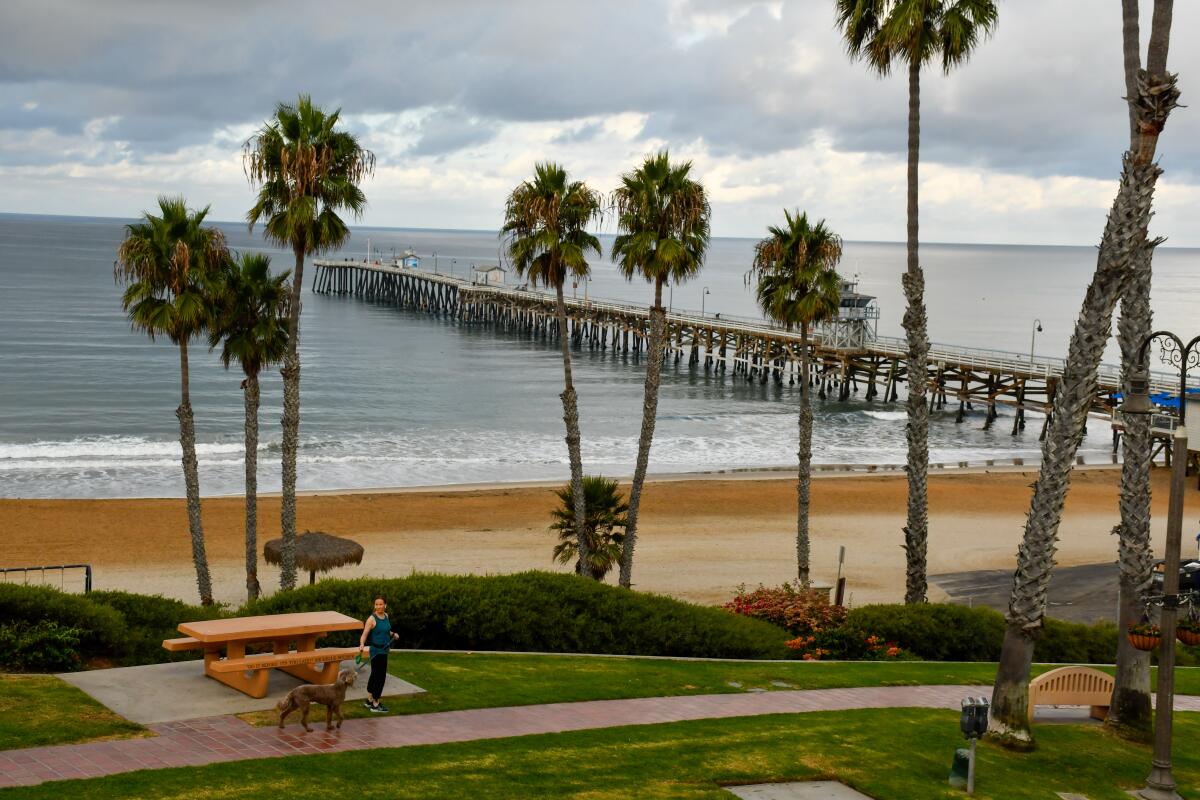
45, 576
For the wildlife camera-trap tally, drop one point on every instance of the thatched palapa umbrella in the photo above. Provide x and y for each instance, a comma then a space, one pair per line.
316, 551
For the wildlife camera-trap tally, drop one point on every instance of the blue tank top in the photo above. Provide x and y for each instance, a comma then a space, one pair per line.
380, 638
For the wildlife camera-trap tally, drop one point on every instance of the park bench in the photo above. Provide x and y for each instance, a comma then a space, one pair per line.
251, 673
1072, 686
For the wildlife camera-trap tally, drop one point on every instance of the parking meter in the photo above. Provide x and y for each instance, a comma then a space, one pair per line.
974, 719
973, 722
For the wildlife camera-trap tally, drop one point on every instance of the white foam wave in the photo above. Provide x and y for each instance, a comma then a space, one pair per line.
887, 416
99, 447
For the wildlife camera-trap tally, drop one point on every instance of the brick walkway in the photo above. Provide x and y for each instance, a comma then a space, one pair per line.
220, 739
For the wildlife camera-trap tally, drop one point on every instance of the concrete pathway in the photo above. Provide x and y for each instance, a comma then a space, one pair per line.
179, 691
223, 739
797, 790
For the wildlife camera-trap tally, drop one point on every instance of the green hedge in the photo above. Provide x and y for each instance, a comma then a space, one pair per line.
531, 611
102, 630
149, 619
945, 632
112, 627
537, 611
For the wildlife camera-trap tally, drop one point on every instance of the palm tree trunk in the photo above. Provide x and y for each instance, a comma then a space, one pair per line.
291, 430
1124, 242
804, 461
658, 326
916, 529
251, 397
571, 419
191, 479
1130, 713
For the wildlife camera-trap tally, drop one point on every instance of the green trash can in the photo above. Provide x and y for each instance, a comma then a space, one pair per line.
958, 770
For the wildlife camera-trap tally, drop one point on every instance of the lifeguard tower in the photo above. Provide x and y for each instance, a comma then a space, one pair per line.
857, 322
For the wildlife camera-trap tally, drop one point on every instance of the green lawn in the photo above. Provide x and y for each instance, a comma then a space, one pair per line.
454, 681
52, 712
897, 754
38, 710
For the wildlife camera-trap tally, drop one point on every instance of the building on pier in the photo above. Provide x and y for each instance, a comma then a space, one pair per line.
487, 275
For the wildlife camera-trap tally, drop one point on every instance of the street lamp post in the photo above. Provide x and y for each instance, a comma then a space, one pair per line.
1037, 328
703, 297
1160, 784
671, 297
435, 260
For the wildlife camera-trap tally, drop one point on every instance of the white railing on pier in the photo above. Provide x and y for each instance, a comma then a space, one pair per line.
980, 358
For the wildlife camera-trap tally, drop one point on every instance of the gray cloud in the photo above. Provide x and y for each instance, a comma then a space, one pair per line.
580, 134
1042, 97
448, 131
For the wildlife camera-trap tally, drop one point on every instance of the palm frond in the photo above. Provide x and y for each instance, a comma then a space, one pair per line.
544, 234
794, 271
663, 221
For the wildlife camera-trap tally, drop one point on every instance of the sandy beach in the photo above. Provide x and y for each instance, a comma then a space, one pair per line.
700, 537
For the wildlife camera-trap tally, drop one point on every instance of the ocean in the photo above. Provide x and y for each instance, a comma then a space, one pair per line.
392, 398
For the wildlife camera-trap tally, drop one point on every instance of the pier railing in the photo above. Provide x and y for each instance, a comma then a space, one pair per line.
976, 359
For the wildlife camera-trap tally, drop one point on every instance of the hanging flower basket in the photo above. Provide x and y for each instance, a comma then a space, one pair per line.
1190, 638
1145, 636
1188, 631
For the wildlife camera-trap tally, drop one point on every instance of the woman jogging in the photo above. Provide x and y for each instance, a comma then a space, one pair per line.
378, 632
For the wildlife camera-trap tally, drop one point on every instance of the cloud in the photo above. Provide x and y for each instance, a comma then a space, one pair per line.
449, 130
751, 90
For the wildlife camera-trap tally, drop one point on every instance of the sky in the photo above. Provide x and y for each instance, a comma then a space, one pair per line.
105, 105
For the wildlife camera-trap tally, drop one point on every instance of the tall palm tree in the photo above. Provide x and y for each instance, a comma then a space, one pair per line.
305, 172
604, 526
1131, 712
663, 222
546, 238
798, 285
1124, 242
917, 33
167, 263
250, 325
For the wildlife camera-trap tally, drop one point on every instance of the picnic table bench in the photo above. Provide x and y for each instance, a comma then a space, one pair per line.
251, 673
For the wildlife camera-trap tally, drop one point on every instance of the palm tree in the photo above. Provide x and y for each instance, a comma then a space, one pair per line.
167, 263
250, 325
546, 238
1124, 243
604, 526
663, 218
305, 172
797, 285
915, 32
1131, 712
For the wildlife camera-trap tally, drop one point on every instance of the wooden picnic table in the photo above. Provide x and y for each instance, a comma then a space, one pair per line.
250, 674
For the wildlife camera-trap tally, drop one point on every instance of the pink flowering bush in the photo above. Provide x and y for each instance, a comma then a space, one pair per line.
800, 611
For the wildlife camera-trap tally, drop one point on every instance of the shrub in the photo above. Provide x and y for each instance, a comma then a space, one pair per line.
934, 631
148, 620
1074, 642
536, 611
102, 630
42, 646
847, 645
800, 612
945, 632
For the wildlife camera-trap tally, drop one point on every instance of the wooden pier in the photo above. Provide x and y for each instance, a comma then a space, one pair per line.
750, 349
